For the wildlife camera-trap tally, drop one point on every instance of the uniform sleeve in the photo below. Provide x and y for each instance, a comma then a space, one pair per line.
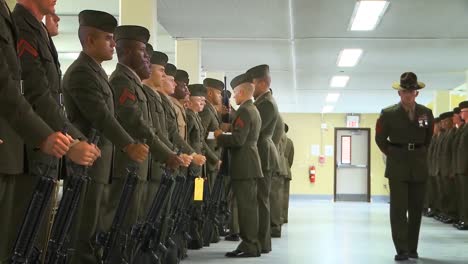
17, 111
37, 87
278, 133
197, 146
209, 153
240, 130
87, 95
131, 118
291, 153
430, 129
381, 133
266, 109
176, 139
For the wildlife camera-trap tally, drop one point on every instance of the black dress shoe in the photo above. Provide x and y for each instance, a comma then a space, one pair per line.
448, 220
462, 226
241, 254
276, 235
413, 255
401, 257
232, 237
430, 214
264, 251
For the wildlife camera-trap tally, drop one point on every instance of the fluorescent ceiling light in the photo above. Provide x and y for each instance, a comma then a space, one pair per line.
349, 57
339, 81
68, 55
367, 14
332, 97
327, 109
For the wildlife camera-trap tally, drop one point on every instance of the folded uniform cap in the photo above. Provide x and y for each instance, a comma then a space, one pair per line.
182, 76
456, 110
446, 115
213, 83
149, 49
137, 33
170, 69
463, 105
159, 58
240, 79
197, 90
97, 19
259, 71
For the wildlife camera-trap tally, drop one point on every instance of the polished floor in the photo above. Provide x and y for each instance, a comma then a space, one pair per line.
323, 232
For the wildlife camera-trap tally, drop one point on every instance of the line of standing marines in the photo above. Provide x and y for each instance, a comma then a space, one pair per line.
139, 140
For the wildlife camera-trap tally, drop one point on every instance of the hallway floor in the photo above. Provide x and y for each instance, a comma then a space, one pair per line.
323, 232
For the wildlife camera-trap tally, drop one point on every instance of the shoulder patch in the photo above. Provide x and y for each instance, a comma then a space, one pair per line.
378, 126
25, 47
239, 123
126, 94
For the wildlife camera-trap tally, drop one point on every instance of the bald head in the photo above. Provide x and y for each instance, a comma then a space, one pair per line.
243, 92
84, 33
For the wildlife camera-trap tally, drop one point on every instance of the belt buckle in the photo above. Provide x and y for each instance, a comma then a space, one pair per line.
411, 146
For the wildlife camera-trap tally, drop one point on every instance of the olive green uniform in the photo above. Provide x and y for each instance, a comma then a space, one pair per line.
462, 172
405, 143
289, 155
277, 181
90, 105
245, 171
41, 76
19, 124
268, 110
131, 108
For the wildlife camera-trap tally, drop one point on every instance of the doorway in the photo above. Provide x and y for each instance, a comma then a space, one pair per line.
352, 165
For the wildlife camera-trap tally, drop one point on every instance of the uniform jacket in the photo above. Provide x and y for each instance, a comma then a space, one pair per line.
131, 106
18, 121
395, 127
90, 104
289, 154
211, 121
41, 76
245, 158
158, 117
268, 110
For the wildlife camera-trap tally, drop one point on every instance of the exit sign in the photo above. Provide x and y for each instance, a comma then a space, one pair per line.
352, 121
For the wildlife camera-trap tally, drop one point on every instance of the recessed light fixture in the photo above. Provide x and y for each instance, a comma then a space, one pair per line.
349, 57
332, 97
367, 14
339, 81
68, 55
327, 109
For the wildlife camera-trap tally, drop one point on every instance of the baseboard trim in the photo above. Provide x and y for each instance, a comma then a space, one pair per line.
327, 197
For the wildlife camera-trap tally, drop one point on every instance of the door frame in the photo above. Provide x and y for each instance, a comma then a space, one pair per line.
368, 159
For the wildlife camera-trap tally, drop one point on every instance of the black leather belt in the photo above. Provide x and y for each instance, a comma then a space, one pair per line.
409, 146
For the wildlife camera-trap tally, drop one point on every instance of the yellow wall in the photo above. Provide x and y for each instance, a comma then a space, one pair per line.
304, 130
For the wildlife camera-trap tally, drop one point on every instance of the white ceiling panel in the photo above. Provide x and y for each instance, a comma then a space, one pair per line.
225, 18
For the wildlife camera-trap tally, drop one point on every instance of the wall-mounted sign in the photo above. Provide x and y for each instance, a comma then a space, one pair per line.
352, 120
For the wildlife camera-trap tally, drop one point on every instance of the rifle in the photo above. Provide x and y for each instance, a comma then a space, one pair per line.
24, 250
212, 209
146, 236
180, 219
57, 251
109, 241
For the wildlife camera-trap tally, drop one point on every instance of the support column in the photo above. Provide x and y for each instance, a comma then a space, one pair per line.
188, 58
141, 13
441, 102
11, 4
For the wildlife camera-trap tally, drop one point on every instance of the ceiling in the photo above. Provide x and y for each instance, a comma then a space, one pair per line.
301, 40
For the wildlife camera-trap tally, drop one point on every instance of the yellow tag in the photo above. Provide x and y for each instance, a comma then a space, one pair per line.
198, 192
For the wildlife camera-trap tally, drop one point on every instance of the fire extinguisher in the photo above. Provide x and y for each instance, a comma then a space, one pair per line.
312, 174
